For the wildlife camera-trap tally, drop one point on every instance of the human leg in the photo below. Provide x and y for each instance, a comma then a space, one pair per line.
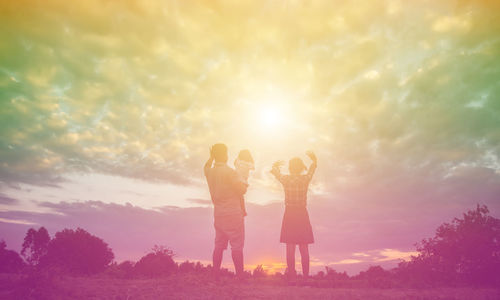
217, 259
304, 258
290, 258
221, 241
237, 256
236, 234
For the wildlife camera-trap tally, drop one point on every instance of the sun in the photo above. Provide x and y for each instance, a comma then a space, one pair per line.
268, 114
270, 117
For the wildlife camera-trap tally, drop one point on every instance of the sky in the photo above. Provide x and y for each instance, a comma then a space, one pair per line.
108, 109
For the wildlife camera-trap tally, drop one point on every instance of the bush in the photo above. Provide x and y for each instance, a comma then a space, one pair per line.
157, 263
259, 272
123, 270
187, 267
375, 277
77, 252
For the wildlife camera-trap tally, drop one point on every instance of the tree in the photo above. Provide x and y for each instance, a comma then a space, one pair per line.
10, 261
35, 245
465, 251
157, 263
78, 252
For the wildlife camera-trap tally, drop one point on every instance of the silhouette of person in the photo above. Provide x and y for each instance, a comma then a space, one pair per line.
226, 190
296, 228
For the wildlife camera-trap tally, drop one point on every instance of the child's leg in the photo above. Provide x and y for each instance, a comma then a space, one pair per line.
290, 258
242, 203
304, 258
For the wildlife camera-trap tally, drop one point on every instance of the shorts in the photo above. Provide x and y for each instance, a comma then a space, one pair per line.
229, 228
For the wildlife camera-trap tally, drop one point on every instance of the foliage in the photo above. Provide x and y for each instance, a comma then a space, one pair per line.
123, 270
78, 252
463, 252
35, 245
157, 263
10, 261
259, 272
375, 277
187, 266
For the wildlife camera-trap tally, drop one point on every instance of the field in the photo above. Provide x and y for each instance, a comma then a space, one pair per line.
188, 286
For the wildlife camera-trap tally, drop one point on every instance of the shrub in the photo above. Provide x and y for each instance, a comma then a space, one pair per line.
123, 270
375, 277
157, 263
259, 272
187, 266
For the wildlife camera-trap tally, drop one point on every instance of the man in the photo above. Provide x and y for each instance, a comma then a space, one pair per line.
226, 190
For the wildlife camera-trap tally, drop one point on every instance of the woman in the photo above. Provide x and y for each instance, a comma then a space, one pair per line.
296, 228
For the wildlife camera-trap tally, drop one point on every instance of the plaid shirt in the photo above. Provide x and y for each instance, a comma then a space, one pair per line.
295, 186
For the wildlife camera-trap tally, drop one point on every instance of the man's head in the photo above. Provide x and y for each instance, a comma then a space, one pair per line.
296, 166
219, 152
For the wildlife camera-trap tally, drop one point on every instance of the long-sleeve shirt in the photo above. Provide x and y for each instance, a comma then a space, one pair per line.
225, 189
295, 186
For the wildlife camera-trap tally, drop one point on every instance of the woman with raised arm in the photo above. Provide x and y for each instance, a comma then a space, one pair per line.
296, 228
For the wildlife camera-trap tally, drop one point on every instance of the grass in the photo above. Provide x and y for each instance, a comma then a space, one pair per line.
191, 286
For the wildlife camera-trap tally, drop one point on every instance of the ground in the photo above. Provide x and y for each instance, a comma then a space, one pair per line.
195, 287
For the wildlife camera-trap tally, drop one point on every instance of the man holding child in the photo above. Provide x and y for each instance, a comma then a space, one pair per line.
226, 190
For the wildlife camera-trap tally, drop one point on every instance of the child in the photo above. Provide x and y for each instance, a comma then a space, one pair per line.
296, 228
243, 164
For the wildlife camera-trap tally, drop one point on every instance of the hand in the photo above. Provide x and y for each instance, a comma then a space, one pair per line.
278, 164
210, 150
312, 156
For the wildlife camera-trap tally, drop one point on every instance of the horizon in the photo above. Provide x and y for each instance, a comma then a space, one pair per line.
109, 109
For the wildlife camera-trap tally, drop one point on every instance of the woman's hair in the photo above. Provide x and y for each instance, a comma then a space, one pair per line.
245, 156
296, 166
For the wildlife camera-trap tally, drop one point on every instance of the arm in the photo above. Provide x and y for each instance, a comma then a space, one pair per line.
206, 170
239, 186
314, 164
276, 170
208, 164
243, 209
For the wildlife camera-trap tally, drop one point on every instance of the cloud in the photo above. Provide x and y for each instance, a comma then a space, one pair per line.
105, 89
200, 201
24, 222
8, 200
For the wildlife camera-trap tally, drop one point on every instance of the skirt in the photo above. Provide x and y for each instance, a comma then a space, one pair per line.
296, 227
